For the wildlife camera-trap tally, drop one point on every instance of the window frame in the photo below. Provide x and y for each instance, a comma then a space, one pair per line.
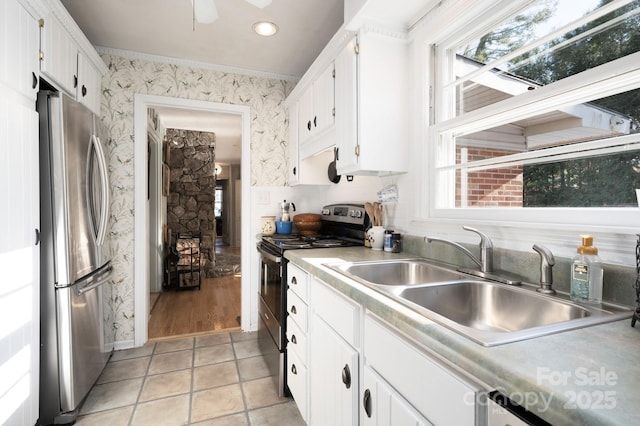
554, 226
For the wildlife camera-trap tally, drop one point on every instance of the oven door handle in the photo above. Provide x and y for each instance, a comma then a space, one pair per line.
271, 257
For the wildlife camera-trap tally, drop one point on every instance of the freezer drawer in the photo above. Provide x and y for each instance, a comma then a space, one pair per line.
81, 353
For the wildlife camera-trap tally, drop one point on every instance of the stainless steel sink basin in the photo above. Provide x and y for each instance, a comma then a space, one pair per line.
397, 272
491, 306
486, 312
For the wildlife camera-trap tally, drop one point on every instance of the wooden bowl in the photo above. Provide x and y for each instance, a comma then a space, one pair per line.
307, 223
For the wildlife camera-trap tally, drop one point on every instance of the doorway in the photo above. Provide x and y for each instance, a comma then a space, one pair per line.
143, 274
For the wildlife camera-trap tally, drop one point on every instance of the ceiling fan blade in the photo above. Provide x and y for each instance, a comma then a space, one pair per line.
259, 3
205, 11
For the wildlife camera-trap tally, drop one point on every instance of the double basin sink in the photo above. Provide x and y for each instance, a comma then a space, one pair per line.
487, 312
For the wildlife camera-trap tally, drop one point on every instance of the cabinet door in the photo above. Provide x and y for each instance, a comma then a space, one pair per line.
59, 55
333, 377
19, 256
305, 116
323, 100
89, 84
437, 391
19, 48
346, 86
297, 380
381, 405
294, 162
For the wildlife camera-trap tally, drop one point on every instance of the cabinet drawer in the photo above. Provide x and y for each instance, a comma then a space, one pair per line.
297, 310
297, 381
298, 281
439, 393
337, 311
297, 340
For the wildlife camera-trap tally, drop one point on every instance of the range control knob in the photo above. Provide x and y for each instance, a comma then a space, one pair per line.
326, 212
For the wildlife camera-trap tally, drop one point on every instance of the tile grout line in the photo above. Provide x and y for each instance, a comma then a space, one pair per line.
193, 376
244, 398
144, 380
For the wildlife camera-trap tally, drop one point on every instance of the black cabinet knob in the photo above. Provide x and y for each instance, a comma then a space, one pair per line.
34, 82
295, 171
309, 125
293, 369
366, 402
84, 90
346, 376
294, 311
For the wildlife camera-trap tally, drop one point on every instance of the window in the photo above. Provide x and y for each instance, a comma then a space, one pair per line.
540, 108
217, 205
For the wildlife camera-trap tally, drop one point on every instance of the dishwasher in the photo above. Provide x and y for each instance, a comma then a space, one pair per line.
501, 411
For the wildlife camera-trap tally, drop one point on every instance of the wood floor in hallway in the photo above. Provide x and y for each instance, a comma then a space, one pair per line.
215, 307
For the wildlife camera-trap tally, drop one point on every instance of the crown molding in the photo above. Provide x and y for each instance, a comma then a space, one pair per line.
372, 27
129, 54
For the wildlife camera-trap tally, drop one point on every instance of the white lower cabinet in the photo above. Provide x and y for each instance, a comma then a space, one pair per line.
297, 327
353, 368
334, 332
382, 405
333, 377
439, 393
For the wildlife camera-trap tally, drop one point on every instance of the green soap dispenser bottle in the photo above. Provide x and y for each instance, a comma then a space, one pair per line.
586, 273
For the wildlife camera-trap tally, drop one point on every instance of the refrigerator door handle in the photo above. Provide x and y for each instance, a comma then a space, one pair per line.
104, 183
94, 281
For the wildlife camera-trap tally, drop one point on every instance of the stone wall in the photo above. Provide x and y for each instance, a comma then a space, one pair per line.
190, 201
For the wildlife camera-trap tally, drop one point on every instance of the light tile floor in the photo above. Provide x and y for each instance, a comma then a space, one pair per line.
213, 380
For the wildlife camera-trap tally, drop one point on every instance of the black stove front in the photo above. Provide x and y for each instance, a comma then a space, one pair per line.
343, 225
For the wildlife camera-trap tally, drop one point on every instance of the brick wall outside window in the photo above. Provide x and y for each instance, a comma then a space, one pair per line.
500, 187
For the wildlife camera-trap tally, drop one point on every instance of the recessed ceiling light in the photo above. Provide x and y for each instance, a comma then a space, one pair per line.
265, 28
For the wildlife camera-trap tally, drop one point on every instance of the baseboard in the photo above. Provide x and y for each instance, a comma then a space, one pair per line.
116, 346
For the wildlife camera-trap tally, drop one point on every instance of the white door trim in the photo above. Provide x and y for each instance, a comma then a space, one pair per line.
141, 252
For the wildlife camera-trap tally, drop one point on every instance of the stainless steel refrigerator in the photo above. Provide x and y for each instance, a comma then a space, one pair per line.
74, 255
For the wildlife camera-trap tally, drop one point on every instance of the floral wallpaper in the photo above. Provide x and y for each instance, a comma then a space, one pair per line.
125, 78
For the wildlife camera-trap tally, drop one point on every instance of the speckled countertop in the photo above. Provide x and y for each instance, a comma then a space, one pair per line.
589, 376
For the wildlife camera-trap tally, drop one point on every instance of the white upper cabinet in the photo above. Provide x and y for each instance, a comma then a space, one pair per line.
305, 116
323, 100
293, 163
68, 61
19, 45
372, 105
59, 55
89, 84
316, 106
316, 115
311, 170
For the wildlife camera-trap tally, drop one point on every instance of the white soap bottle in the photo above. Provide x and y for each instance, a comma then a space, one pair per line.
586, 273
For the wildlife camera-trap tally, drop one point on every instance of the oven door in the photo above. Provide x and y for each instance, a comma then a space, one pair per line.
271, 329
271, 293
